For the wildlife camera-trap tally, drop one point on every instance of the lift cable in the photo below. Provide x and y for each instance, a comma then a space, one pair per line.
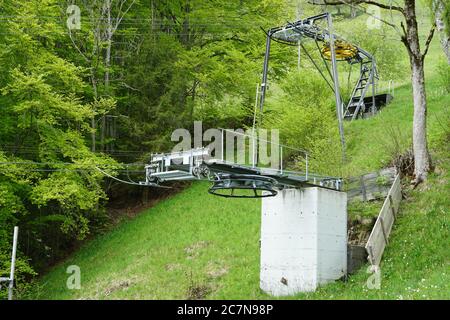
131, 183
317, 67
325, 63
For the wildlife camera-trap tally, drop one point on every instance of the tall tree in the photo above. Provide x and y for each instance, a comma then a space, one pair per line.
95, 45
197, 60
48, 175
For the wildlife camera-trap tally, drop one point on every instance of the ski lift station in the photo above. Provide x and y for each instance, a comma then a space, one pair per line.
304, 215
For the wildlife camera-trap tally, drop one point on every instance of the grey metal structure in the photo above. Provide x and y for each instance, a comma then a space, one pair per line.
250, 180
9, 281
231, 179
310, 28
197, 165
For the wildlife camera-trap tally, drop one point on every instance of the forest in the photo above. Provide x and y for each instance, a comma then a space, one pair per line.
104, 83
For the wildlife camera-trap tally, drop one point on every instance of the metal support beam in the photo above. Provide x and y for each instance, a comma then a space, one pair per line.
339, 105
317, 67
264, 79
373, 87
254, 146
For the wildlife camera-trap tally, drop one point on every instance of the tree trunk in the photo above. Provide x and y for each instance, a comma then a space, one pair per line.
185, 37
353, 12
93, 121
107, 65
442, 28
420, 147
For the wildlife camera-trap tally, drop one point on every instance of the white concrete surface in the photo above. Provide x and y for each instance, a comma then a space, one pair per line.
303, 240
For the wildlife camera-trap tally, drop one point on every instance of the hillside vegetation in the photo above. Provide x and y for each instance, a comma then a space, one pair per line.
82, 102
198, 246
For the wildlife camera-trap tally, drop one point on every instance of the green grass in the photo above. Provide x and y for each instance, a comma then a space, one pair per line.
372, 142
168, 249
195, 245
198, 241
416, 262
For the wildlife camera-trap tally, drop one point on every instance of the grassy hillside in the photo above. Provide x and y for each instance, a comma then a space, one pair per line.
195, 245
192, 240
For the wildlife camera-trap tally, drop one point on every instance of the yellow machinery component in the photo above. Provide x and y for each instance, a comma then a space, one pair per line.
343, 50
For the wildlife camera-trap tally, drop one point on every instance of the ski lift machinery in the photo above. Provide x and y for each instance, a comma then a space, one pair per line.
331, 48
303, 239
230, 179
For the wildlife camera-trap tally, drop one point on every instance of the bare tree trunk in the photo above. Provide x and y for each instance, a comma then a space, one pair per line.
444, 31
105, 25
185, 37
108, 42
107, 10
422, 161
420, 146
353, 11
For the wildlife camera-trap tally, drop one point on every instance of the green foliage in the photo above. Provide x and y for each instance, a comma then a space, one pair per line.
171, 62
303, 112
192, 67
181, 254
444, 75
358, 209
225, 236
23, 273
49, 186
382, 42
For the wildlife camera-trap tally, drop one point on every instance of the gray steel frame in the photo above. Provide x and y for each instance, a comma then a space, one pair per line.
199, 166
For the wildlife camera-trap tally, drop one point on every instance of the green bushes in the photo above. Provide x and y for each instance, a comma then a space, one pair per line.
302, 108
48, 183
444, 75
23, 273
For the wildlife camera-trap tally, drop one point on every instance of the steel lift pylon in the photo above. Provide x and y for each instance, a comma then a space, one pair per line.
334, 48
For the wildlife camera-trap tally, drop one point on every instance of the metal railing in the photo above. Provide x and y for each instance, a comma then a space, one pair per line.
255, 142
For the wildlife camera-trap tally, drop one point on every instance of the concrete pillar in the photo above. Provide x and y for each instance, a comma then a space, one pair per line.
303, 240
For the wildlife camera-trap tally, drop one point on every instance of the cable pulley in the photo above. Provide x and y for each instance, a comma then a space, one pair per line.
343, 50
243, 186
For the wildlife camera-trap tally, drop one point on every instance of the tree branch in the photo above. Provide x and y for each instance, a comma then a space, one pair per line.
404, 39
353, 4
427, 43
119, 17
350, 2
123, 84
77, 48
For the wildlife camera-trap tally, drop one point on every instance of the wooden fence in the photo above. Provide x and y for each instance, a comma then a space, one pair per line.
370, 186
379, 236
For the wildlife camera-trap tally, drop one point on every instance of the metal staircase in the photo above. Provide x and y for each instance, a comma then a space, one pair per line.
358, 105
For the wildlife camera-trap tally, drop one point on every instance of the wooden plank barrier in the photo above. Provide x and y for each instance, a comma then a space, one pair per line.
379, 237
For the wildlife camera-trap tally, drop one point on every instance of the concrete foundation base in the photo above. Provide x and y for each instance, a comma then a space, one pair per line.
303, 240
